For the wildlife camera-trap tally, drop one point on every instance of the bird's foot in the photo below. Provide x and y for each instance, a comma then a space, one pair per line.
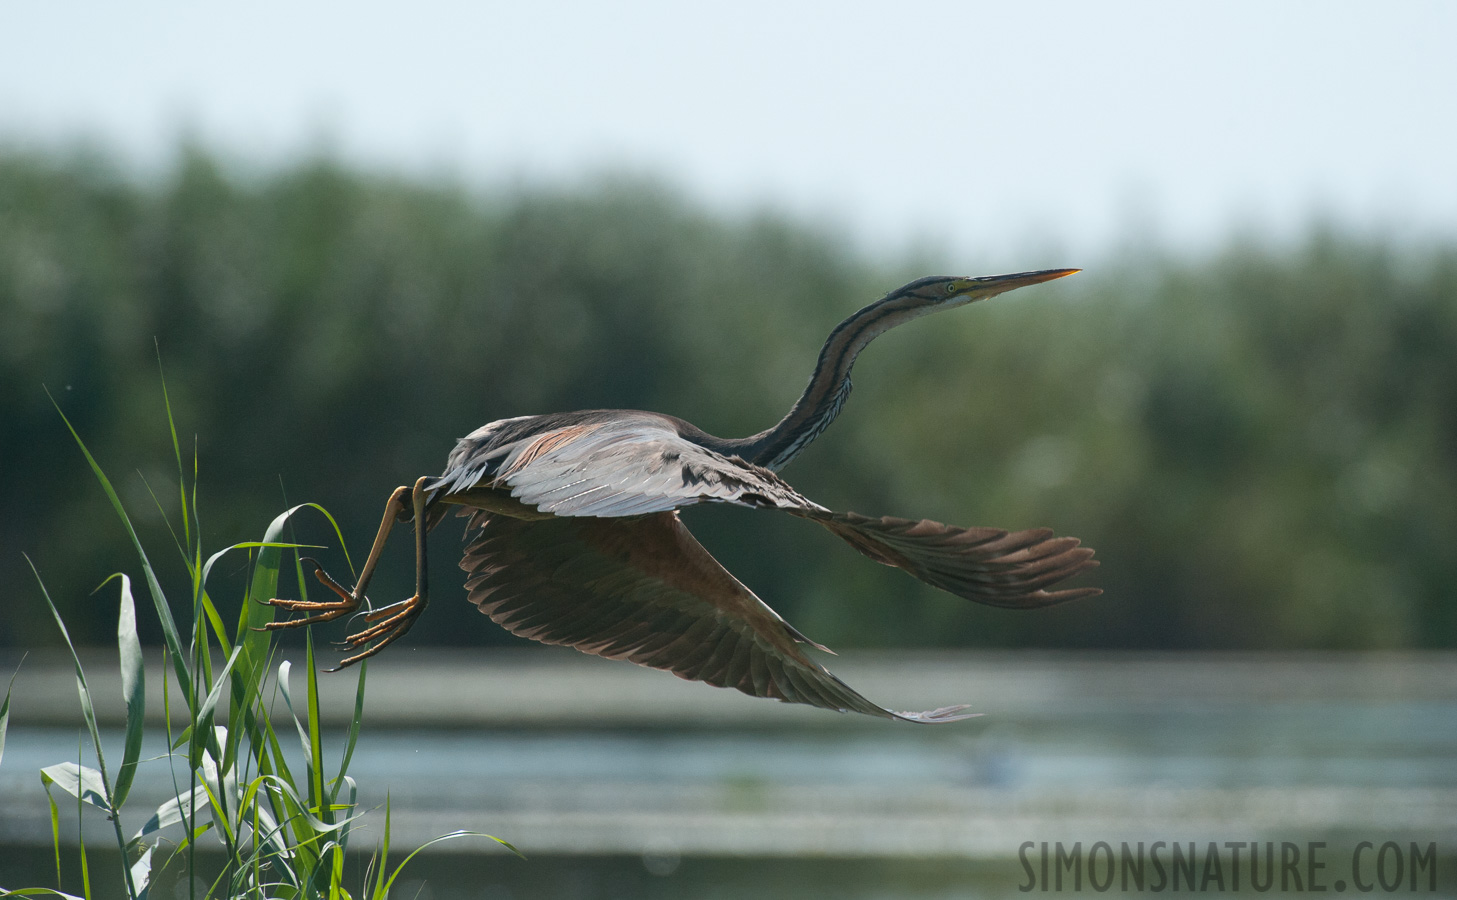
388, 624
317, 612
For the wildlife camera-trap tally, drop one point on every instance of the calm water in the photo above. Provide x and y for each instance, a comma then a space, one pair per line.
862, 808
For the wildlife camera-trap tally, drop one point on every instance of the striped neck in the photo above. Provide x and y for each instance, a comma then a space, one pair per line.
829, 386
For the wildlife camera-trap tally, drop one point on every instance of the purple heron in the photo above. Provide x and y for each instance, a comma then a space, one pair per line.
574, 536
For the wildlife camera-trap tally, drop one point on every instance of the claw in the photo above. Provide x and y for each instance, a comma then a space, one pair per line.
400, 621
400, 616
387, 624
392, 611
321, 611
330, 583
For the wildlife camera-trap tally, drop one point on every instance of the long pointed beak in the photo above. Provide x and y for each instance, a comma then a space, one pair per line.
992, 285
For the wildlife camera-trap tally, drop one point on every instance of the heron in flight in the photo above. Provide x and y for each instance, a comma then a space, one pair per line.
574, 536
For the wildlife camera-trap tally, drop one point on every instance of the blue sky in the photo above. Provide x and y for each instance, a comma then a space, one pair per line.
999, 132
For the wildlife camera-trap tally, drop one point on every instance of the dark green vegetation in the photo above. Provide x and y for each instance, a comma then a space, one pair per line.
1262, 446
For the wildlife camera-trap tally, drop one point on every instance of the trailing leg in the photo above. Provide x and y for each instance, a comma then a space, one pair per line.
388, 624
348, 601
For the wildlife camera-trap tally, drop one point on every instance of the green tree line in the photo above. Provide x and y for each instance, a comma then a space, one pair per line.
1261, 444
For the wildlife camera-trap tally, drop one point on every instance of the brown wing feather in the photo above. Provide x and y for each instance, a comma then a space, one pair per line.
643, 589
986, 565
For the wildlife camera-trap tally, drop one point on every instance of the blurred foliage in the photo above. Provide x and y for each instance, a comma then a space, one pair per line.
1262, 445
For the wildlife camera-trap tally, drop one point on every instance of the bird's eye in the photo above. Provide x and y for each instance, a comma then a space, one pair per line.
950, 287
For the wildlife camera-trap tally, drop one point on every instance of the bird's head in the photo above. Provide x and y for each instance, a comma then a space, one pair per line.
943, 291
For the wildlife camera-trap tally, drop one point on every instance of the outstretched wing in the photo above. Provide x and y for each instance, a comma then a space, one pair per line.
635, 464
632, 464
985, 565
643, 589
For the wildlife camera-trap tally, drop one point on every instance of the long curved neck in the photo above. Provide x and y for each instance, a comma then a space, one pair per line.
828, 387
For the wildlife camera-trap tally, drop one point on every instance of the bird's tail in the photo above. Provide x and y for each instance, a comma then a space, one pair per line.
1010, 569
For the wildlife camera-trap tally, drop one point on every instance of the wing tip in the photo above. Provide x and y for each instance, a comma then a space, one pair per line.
937, 716
1069, 594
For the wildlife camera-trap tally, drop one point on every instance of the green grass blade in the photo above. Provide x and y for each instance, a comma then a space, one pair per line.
89, 713
215, 621
265, 827
221, 799
263, 741
176, 447
285, 669
81, 843
256, 613
82, 691
208, 611
206, 710
133, 690
284, 789
5, 711
201, 657
444, 837
187, 843
247, 745
55, 828
354, 725
275, 757
167, 520
172, 812
297, 820
159, 599
336, 873
316, 738
384, 854
352, 805
82, 782
261, 839
254, 644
